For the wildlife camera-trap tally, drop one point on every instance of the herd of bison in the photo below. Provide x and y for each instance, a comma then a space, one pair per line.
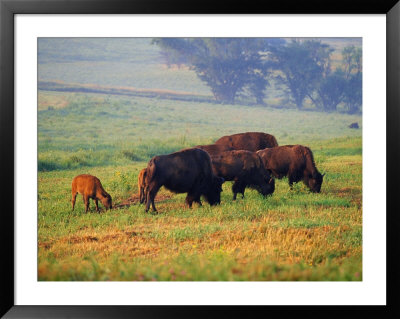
249, 159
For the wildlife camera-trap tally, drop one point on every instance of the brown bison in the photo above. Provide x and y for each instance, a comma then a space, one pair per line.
142, 185
250, 141
90, 187
294, 161
187, 171
245, 169
214, 149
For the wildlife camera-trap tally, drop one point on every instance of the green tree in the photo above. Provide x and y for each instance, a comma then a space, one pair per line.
302, 64
342, 85
330, 92
352, 58
227, 65
171, 50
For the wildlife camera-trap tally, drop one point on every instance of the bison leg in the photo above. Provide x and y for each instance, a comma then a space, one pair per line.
189, 200
238, 187
97, 204
151, 194
86, 201
73, 200
193, 197
147, 202
141, 195
145, 191
292, 179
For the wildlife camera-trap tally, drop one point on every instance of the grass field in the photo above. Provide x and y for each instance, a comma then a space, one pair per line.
292, 235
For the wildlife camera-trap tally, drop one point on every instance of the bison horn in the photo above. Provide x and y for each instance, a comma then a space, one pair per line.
323, 174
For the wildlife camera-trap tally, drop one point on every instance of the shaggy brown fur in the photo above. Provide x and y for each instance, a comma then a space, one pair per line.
214, 149
90, 187
245, 169
250, 141
187, 171
294, 161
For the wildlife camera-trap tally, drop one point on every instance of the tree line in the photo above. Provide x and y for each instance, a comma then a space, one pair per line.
301, 68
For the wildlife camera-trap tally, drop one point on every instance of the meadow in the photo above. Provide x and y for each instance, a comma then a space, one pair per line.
291, 235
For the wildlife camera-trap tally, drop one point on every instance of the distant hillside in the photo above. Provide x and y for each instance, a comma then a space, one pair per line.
125, 62
67, 50
123, 90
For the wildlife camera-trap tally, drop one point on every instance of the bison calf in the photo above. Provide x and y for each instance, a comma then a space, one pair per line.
249, 141
245, 169
90, 187
142, 185
294, 161
187, 171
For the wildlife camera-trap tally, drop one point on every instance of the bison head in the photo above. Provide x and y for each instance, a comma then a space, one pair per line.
315, 182
213, 194
267, 187
107, 201
271, 185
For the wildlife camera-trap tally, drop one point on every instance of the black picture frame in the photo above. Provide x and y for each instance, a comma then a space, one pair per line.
8, 9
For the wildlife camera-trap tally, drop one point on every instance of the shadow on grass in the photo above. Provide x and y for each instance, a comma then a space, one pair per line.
134, 200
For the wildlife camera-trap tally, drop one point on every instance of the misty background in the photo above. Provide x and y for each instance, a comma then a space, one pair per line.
322, 74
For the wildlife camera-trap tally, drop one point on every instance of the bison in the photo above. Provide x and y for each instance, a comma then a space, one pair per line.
245, 169
90, 187
294, 161
186, 171
214, 149
354, 125
250, 141
142, 185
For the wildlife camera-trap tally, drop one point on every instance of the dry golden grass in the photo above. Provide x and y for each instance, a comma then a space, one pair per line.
50, 99
165, 239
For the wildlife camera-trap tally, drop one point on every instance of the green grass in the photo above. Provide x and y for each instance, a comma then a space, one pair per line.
291, 235
98, 130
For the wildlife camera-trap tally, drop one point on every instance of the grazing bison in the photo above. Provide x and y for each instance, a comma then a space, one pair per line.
187, 171
214, 149
245, 169
250, 141
142, 185
354, 125
90, 187
294, 161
